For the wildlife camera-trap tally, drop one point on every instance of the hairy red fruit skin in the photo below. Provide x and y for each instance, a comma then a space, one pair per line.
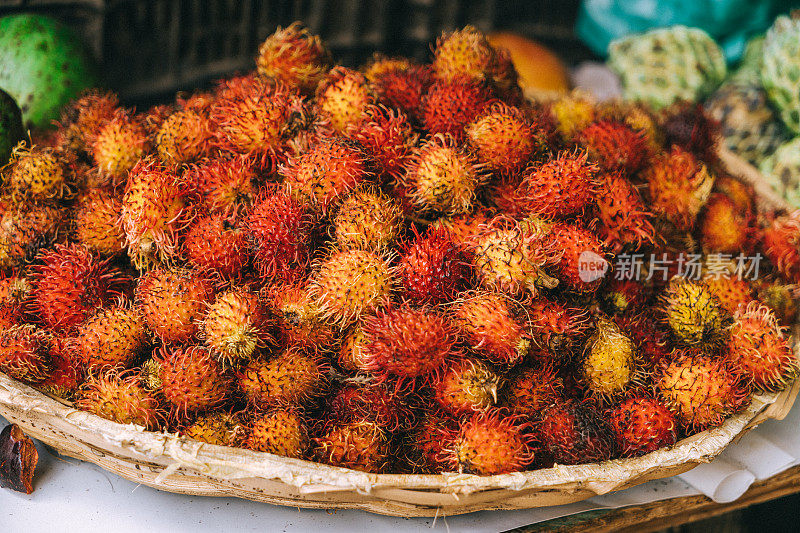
489, 325
255, 117
781, 244
575, 243
192, 380
359, 445
623, 296
294, 56
561, 187
492, 442
530, 390
724, 228
574, 433
642, 425
371, 402
758, 350
622, 218
25, 230
449, 106
172, 302
651, 340
69, 284
426, 447
216, 245
119, 396
731, 292
97, 223
343, 98
557, 328
299, 319
25, 353
432, 267
110, 337
404, 88
465, 385
66, 374
700, 390
406, 343
388, 137
277, 228
225, 185
615, 145
504, 138
290, 378
328, 170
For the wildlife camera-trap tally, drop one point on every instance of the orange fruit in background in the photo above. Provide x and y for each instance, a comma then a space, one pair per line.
538, 67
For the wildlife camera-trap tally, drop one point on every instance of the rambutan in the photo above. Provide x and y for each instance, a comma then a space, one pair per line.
172, 301
572, 113
403, 87
299, 318
641, 425
741, 194
463, 53
69, 283
192, 380
621, 296
97, 222
557, 328
294, 56
118, 145
781, 244
26, 230
679, 186
508, 259
563, 186
65, 374
291, 377
119, 397
37, 174
387, 136
82, 119
492, 442
622, 218
779, 297
730, 291
343, 97
724, 228
226, 185
215, 244
112, 336
25, 353
330, 169
689, 126
573, 432
184, 136
427, 445
465, 385
278, 228
15, 292
449, 105
443, 177
614, 146
406, 343
532, 389
700, 390
651, 340
236, 325
463, 229
371, 402
609, 361
694, 314
255, 117
489, 325
359, 445
432, 268
758, 350
220, 428
150, 374
280, 432
504, 138
154, 211
367, 220
582, 262
349, 283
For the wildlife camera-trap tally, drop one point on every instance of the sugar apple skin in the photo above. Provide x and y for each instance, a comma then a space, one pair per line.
782, 171
664, 65
780, 71
750, 126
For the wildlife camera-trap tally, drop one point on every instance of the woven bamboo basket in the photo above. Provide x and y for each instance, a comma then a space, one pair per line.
176, 464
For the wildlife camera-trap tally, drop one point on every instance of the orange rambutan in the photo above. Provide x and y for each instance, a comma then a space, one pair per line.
343, 97
290, 378
215, 244
220, 428
432, 267
15, 292
463, 229
504, 138
641, 425
492, 442
732, 292
557, 328
118, 145
758, 350
465, 385
387, 136
192, 380
724, 229
69, 283
368, 220
82, 119
294, 56
120, 397
154, 210
66, 374
37, 174
111, 337
614, 146
582, 262
24, 230
448, 106
530, 390
299, 319
573, 432
25, 353
226, 185
622, 218
184, 136
350, 356
280, 432
97, 222
172, 301
358, 445
781, 244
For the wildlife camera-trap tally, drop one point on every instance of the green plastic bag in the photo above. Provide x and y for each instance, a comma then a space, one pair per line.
730, 22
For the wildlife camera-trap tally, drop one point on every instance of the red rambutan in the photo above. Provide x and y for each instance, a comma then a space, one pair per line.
370, 402
531, 390
25, 353
781, 244
294, 56
215, 244
192, 380
465, 385
120, 397
642, 425
582, 262
432, 268
299, 319
492, 442
403, 87
359, 445
449, 106
290, 378
387, 136
622, 218
574, 433
225, 185
426, 447
557, 328
614, 145
504, 138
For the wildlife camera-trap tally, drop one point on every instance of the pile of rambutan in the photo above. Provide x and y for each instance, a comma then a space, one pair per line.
407, 268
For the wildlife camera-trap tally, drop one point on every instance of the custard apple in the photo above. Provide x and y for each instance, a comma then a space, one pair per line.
749, 125
667, 64
780, 72
782, 171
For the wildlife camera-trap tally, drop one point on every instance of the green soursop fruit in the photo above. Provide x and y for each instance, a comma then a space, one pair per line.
749, 125
11, 131
667, 64
43, 66
782, 171
780, 72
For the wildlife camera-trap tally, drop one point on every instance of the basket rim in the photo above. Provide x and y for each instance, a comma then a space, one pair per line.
178, 452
